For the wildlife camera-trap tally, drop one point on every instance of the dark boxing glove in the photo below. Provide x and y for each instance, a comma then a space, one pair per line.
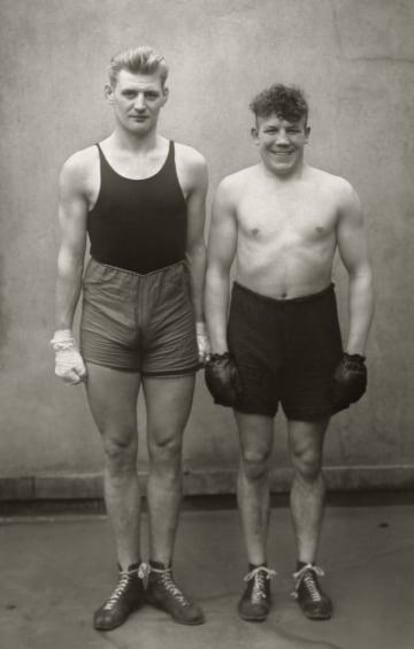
223, 379
349, 381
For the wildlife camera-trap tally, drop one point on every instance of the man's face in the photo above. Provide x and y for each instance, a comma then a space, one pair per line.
137, 100
280, 142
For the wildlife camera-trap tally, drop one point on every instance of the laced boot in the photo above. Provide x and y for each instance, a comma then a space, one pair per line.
163, 593
127, 596
315, 604
254, 605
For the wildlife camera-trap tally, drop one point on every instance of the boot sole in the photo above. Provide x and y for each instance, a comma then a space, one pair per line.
317, 617
253, 619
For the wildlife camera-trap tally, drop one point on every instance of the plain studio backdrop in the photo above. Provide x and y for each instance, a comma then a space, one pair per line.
355, 62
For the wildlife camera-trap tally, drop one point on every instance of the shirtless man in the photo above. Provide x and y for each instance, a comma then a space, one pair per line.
141, 200
282, 221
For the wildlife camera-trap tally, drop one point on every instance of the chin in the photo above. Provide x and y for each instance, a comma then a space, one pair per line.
283, 168
141, 129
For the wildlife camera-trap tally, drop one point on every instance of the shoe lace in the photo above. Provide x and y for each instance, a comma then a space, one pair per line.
307, 574
124, 579
260, 575
169, 585
144, 570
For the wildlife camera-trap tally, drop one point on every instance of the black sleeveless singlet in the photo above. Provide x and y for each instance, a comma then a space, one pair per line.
139, 225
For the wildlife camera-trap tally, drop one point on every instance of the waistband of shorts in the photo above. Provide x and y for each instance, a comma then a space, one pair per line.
312, 297
152, 273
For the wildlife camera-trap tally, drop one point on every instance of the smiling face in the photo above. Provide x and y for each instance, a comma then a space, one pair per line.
281, 142
137, 99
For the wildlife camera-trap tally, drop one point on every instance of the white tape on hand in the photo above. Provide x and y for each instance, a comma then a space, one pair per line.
203, 342
69, 365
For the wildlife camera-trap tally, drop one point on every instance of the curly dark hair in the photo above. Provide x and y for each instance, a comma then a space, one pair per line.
287, 102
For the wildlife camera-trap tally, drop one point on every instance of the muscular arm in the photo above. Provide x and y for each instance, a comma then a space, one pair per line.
352, 247
221, 252
196, 249
73, 209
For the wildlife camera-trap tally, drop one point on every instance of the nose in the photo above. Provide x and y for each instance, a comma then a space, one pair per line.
140, 102
282, 138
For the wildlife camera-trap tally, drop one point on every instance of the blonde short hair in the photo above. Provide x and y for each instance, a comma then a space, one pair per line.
142, 60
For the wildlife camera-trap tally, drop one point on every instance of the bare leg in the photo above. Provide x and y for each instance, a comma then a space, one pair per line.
307, 494
168, 402
256, 442
112, 397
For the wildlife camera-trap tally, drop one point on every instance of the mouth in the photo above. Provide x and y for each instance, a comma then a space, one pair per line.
282, 152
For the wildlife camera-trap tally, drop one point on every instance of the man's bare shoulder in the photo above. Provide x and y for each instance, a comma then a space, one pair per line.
77, 169
191, 169
189, 157
330, 181
235, 182
337, 190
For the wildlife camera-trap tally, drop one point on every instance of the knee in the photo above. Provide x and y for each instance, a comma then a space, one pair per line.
120, 454
255, 463
165, 451
307, 464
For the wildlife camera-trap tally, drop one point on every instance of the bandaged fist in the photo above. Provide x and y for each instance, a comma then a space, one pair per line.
349, 381
69, 365
203, 343
223, 379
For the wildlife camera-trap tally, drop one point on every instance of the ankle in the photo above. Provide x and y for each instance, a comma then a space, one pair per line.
129, 568
301, 564
257, 564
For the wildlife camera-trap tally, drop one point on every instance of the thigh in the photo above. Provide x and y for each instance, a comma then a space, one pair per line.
253, 341
168, 404
170, 343
108, 327
315, 350
112, 396
255, 434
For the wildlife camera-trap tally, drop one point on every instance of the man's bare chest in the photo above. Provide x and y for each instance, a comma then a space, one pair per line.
268, 217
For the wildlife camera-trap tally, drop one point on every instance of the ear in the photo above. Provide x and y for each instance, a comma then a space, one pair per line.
307, 133
166, 94
109, 93
254, 134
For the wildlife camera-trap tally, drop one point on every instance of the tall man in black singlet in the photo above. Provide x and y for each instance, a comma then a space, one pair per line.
141, 200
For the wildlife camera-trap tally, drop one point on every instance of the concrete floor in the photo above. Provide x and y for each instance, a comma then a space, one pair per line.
55, 571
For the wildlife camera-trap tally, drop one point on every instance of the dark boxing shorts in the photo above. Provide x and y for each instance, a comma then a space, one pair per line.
286, 350
139, 323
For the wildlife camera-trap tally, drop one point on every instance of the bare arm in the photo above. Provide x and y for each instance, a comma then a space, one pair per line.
196, 249
73, 209
352, 247
221, 252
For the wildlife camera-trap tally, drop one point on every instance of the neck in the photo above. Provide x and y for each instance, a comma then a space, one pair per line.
295, 173
126, 140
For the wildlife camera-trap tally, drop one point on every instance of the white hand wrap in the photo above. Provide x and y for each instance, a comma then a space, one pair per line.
203, 342
69, 365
